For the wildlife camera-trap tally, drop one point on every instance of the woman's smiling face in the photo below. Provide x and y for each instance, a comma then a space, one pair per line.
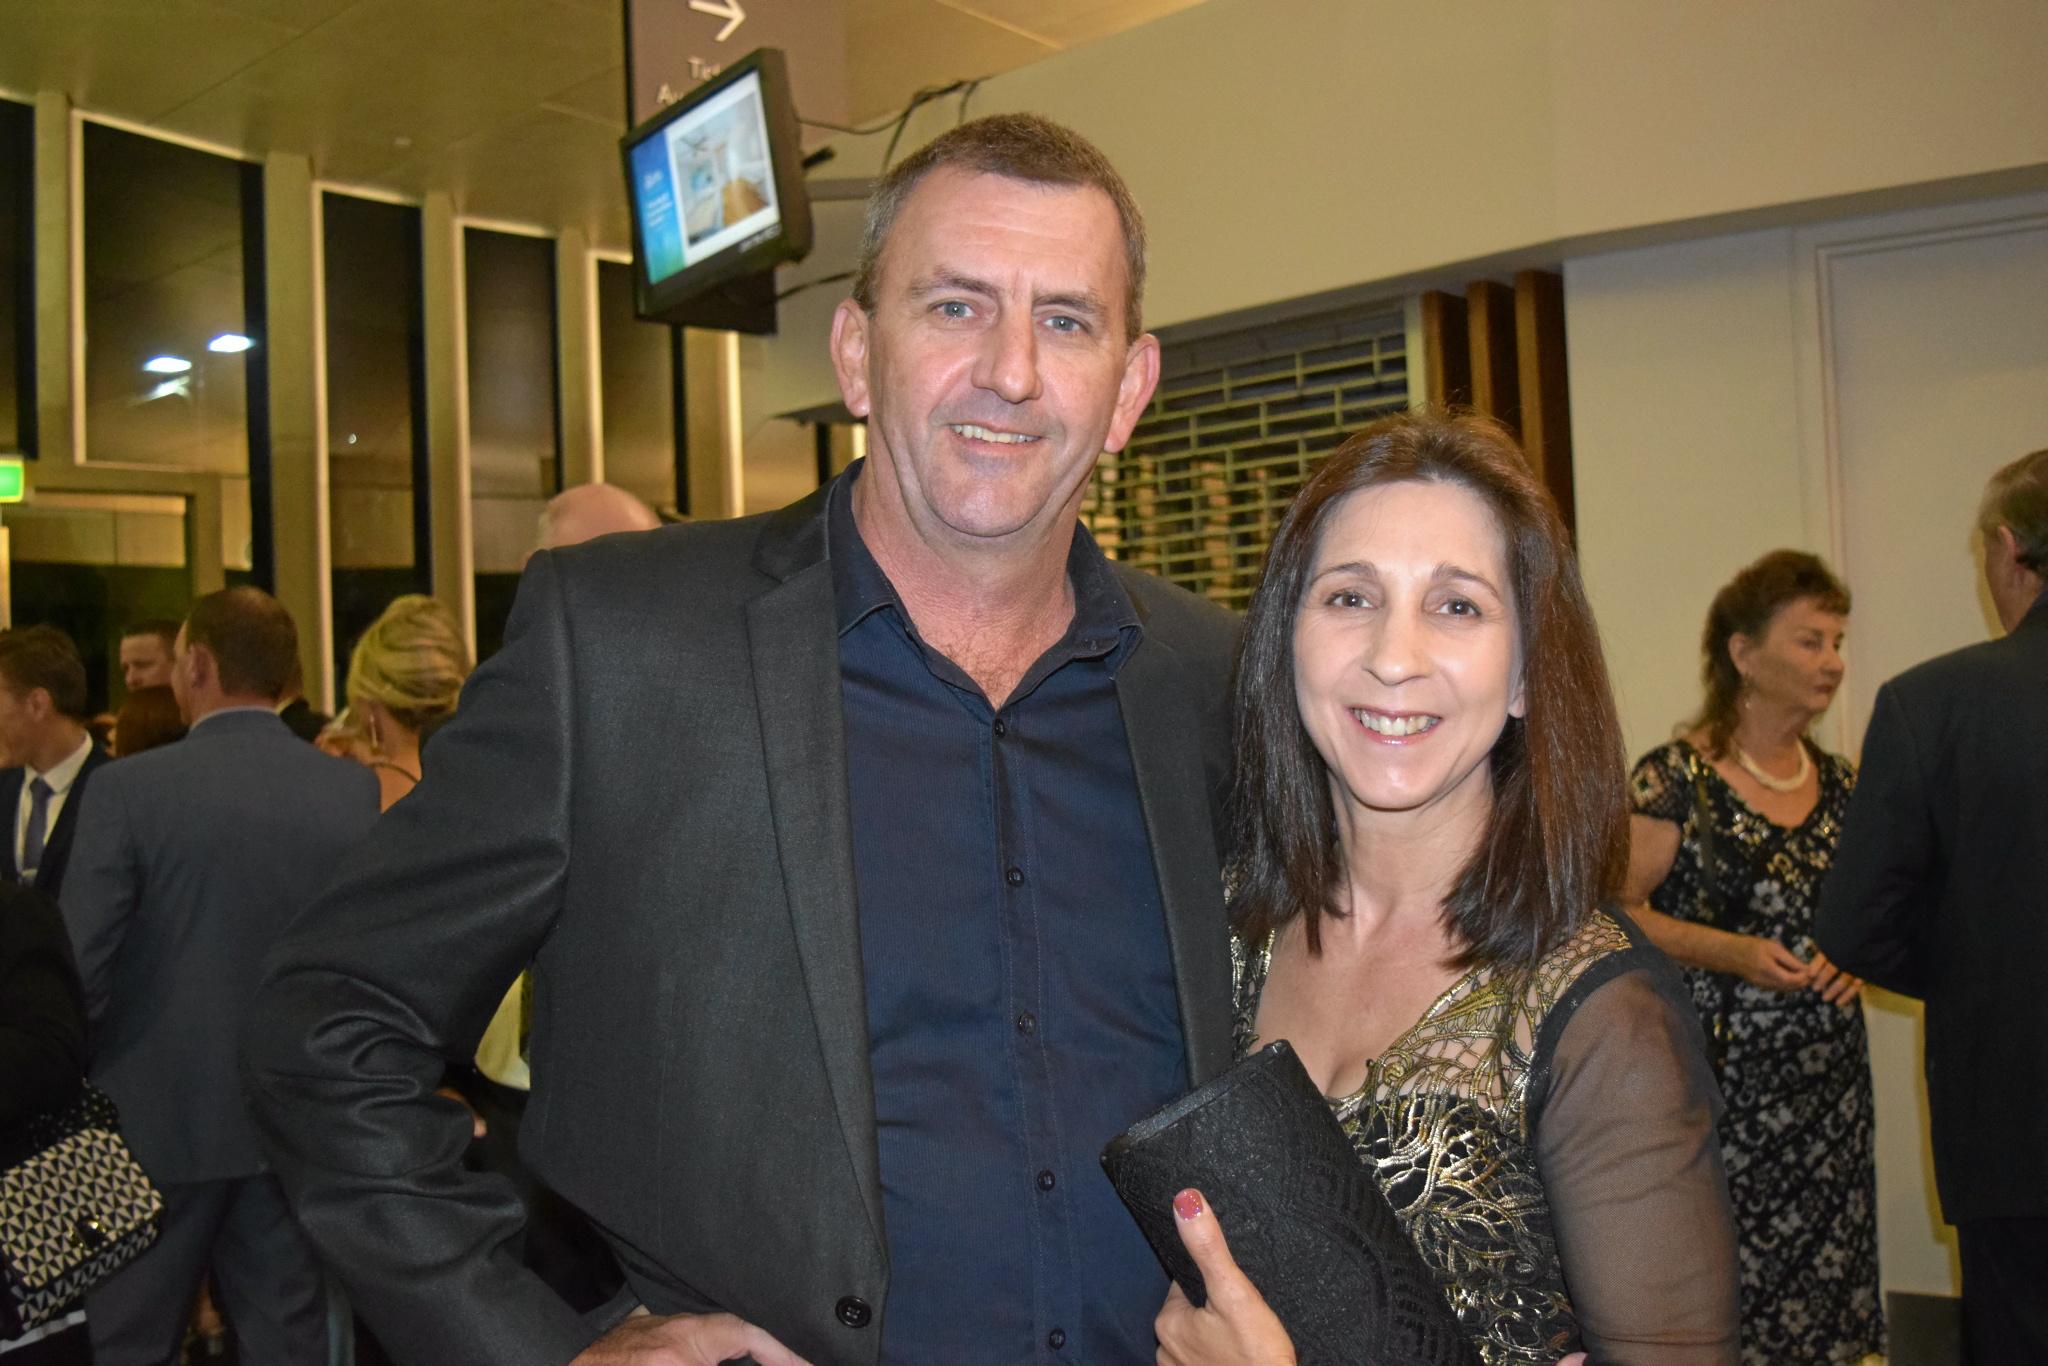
1406, 650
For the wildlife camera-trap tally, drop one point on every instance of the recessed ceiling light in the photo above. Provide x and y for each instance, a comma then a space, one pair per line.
230, 342
167, 365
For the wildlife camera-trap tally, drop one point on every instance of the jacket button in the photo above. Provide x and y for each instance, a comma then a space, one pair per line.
853, 1311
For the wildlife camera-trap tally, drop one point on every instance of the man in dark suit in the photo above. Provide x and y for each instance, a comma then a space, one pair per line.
1940, 891
49, 754
864, 852
191, 860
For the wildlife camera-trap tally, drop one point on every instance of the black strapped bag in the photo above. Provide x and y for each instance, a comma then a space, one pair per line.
75, 1206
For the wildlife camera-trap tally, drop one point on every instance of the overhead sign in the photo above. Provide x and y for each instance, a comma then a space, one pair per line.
13, 479
673, 46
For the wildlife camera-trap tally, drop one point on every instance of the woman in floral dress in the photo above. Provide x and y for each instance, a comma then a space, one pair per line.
1734, 827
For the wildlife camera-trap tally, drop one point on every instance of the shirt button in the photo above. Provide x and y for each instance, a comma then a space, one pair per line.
1046, 1181
853, 1311
1027, 1023
1056, 1339
1015, 877
1002, 728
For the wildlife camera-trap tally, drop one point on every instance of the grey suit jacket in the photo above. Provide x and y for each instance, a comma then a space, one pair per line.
1940, 890
645, 791
57, 845
190, 861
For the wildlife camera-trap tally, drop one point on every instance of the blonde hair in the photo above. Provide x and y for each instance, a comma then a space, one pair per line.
411, 662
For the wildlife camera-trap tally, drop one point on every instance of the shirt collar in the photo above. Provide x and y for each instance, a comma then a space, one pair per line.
1104, 615
62, 774
233, 711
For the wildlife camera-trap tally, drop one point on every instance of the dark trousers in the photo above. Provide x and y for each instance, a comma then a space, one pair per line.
270, 1287
2005, 1291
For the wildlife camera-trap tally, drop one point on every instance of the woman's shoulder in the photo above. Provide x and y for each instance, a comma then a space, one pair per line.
1601, 945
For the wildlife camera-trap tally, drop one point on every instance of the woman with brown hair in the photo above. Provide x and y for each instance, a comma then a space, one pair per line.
1734, 828
1431, 837
148, 718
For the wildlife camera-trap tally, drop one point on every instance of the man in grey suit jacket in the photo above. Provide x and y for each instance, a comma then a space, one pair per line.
191, 859
1940, 891
865, 854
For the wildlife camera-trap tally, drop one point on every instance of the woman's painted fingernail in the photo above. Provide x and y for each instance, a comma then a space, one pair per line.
1188, 1205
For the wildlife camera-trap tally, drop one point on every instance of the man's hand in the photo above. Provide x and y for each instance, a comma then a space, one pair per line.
685, 1340
1235, 1328
1836, 987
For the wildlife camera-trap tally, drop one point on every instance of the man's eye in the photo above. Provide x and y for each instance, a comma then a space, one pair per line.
1060, 322
955, 308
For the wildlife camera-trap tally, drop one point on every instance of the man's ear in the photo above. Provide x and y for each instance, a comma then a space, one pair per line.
1140, 378
850, 325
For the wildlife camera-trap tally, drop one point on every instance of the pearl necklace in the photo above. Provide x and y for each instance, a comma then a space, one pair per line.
1756, 771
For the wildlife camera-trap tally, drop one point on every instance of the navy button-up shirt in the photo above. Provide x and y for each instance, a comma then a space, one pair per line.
1021, 1002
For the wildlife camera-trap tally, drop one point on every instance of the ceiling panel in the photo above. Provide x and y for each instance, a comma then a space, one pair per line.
1065, 23
896, 46
135, 61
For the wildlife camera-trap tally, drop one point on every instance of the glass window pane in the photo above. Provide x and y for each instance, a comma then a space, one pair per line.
173, 320
376, 411
17, 279
514, 424
636, 375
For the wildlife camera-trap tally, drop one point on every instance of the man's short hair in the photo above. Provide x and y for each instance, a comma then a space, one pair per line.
251, 638
2017, 498
44, 657
1018, 147
163, 628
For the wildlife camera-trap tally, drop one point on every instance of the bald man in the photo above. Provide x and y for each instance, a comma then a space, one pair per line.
587, 511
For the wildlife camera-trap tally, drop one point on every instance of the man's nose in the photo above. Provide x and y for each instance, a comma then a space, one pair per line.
1009, 359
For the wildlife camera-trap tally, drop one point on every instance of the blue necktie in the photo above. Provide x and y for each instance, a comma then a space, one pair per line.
38, 829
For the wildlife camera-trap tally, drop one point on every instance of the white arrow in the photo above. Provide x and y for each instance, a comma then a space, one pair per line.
728, 10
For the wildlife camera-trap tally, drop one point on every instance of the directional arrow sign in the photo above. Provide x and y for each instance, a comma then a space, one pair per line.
728, 10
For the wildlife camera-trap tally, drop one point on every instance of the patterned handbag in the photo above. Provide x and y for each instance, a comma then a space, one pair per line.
75, 1206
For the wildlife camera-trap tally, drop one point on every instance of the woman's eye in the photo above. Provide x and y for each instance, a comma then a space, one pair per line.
1461, 607
1344, 597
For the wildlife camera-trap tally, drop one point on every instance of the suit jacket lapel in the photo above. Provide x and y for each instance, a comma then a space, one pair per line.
793, 637
58, 849
10, 811
1163, 730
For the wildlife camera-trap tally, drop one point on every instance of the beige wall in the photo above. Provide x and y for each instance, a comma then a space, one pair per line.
1290, 148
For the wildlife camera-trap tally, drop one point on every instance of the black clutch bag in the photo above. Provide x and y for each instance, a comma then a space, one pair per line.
1305, 1219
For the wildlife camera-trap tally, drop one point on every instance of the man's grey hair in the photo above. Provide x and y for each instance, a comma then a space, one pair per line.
2017, 498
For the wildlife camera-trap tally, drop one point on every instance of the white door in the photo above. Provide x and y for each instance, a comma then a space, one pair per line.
1932, 350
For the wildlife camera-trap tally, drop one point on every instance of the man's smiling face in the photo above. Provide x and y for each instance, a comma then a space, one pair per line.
995, 369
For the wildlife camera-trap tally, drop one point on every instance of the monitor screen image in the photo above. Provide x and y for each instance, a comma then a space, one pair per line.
707, 182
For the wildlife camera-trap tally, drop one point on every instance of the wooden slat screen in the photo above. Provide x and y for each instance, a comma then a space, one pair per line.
1233, 431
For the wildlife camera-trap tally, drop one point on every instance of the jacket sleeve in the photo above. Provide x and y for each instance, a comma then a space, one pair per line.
102, 888
1879, 902
394, 972
42, 1025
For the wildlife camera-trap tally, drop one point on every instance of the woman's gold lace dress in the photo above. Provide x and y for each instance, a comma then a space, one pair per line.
1501, 1204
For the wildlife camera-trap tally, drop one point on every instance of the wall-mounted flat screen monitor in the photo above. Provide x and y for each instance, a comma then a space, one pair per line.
716, 187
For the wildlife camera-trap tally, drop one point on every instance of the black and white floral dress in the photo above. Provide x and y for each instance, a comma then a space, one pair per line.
1797, 1133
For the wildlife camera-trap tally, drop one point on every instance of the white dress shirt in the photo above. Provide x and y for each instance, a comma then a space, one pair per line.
60, 776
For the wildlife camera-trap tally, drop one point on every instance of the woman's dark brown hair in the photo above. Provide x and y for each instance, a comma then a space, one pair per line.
1744, 607
148, 718
1556, 846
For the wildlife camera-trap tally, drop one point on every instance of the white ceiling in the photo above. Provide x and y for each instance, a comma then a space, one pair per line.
516, 106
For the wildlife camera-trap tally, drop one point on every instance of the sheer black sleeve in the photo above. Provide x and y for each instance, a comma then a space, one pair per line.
1632, 1170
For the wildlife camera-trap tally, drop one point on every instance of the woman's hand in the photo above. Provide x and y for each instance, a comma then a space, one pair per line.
1235, 1328
1768, 964
1836, 987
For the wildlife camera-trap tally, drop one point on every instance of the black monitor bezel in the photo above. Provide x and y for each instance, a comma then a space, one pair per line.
655, 300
